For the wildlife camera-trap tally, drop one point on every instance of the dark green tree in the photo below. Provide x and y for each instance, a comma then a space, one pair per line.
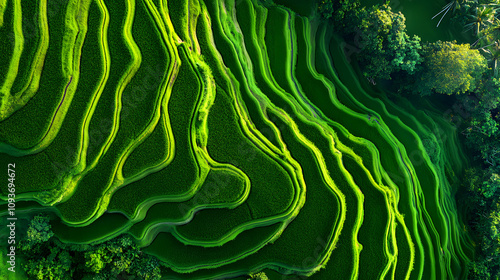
48, 258
97, 259
385, 46
147, 268
482, 18
453, 6
56, 265
450, 68
492, 54
340, 12
259, 276
39, 231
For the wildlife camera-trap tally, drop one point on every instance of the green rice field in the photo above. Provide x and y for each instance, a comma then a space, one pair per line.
225, 138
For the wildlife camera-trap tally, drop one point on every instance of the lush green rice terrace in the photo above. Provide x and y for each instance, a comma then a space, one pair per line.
226, 137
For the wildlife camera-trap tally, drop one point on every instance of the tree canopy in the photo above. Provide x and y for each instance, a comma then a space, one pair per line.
385, 46
339, 11
450, 68
48, 258
39, 231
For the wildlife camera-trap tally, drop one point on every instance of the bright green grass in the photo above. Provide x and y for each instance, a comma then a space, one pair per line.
49, 165
43, 175
27, 126
231, 51
432, 213
221, 189
248, 22
222, 45
102, 121
151, 152
178, 11
312, 231
403, 264
277, 29
31, 35
204, 229
303, 252
7, 37
313, 88
247, 17
141, 96
227, 145
217, 200
105, 227
375, 220
321, 203
340, 180
417, 156
65, 150
178, 177
189, 258
203, 32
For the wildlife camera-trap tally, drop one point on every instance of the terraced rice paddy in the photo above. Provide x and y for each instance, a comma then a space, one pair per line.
227, 137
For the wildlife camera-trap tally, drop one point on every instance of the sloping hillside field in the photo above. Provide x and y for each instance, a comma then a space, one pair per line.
227, 138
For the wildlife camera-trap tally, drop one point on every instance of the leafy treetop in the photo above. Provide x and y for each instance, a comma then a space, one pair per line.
450, 68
